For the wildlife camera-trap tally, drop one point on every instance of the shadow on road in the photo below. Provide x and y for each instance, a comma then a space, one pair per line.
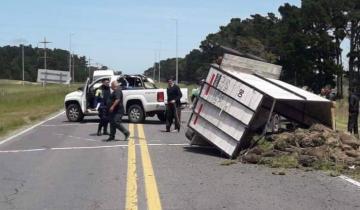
209, 151
153, 122
147, 122
90, 121
83, 121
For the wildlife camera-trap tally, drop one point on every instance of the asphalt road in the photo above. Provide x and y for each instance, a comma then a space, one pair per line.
62, 165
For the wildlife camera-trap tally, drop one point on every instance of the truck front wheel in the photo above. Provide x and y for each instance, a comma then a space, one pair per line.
74, 113
136, 114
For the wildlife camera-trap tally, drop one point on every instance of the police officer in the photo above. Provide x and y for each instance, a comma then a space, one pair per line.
102, 99
116, 111
353, 112
173, 105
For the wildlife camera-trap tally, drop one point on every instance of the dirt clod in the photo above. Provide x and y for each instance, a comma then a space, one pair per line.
307, 160
252, 158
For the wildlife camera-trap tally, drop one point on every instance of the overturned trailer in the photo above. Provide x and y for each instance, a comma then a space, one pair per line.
236, 101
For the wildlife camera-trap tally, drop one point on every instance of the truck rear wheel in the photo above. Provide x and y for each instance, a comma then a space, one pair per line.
74, 113
136, 114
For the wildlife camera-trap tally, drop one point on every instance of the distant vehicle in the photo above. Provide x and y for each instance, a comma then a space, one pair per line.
102, 73
141, 98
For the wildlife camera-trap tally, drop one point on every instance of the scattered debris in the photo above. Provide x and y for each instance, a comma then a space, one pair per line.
282, 173
318, 147
228, 162
334, 173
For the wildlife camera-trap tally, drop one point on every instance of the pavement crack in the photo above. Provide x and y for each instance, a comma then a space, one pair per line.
9, 201
11, 197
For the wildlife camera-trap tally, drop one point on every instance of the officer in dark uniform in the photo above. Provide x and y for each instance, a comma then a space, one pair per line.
103, 100
353, 112
173, 105
116, 111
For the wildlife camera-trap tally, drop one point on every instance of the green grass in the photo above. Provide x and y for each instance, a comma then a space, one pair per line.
284, 161
264, 144
342, 114
23, 104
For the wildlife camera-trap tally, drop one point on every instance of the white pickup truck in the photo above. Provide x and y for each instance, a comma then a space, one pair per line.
141, 99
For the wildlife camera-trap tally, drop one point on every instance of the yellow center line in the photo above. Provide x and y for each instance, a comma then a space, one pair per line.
152, 193
131, 187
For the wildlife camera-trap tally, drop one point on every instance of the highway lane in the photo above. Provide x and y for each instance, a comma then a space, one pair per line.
62, 165
64, 178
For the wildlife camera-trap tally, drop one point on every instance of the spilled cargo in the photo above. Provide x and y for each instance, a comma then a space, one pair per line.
241, 96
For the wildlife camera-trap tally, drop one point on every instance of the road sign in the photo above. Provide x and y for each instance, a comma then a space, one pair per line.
53, 76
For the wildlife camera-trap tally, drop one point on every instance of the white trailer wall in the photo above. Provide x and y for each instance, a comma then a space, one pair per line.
250, 66
224, 110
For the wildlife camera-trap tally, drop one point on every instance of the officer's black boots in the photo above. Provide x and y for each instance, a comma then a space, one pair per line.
105, 130
127, 135
99, 130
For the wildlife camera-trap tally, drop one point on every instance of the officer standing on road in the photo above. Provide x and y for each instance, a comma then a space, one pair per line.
103, 99
116, 111
353, 112
173, 105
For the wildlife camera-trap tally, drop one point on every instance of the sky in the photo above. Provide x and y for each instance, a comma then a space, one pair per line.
123, 35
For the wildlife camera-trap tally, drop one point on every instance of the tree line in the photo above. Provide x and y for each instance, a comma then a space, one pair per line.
306, 41
57, 59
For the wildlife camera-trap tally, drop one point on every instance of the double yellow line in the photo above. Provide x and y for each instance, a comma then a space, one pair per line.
131, 186
152, 193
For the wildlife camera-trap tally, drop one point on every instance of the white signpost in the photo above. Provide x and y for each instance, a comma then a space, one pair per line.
53, 76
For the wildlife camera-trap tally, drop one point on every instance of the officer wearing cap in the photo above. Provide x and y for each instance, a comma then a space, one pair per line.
173, 105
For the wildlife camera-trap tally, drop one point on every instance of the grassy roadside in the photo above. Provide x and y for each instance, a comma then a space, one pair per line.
342, 114
23, 104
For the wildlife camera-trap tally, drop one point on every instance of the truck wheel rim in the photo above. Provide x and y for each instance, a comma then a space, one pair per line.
73, 113
135, 114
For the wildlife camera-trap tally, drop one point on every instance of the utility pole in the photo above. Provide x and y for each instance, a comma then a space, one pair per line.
45, 42
159, 66
22, 43
177, 59
23, 63
154, 70
73, 67
160, 63
70, 35
89, 66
